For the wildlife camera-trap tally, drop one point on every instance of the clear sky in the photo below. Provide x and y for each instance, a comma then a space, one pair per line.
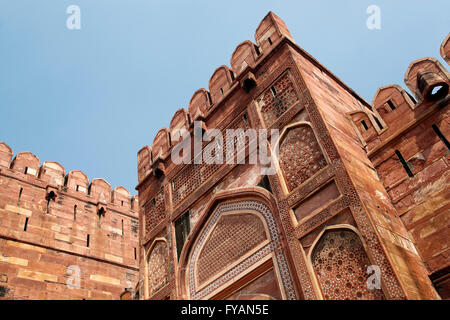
91, 98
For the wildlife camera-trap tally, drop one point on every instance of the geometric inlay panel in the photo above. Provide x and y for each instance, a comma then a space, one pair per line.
277, 99
154, 211
158, 267
191, 177
340, 263
233, 236
300, 156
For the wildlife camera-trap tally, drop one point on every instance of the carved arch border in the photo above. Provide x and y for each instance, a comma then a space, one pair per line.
255, 199
309, 264
146, 258
211, 225
283, 135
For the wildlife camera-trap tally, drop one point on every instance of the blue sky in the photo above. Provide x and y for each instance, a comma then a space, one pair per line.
91, 98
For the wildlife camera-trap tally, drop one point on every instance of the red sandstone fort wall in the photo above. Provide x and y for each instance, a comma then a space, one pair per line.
329, 187
44, 240
355, 185
395, 240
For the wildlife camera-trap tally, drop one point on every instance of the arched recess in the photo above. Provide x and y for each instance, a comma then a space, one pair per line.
300, 155
156, 267
235, 246
339, 261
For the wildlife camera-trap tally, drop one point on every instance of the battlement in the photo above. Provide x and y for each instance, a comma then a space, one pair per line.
51, 175
74, 224
394, 110
222, 82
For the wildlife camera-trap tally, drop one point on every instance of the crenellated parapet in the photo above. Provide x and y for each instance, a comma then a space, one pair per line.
26, 163
200, 104
52, 176
52, 172
427, 79
245, 55
180, 121
271, 30
223, 81
220, 83
145, 160
395, 110
72, 222
6, 155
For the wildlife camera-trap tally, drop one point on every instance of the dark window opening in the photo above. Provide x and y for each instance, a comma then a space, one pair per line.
264, 183
257, 50
25, 225
122, 228
87, 241
154, 202
135, 255
122, 203
270, 40
182, 229
50, 196
221, 90
78, 188
391, 104
26, 170
378, 123
274, 91
170, 140
404, 164
209, 98
441, 136
363, 122
20, 195
248, 85
74, 212
100, 213
245, 118
232, 75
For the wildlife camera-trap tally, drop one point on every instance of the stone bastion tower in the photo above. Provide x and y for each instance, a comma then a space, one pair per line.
358, 207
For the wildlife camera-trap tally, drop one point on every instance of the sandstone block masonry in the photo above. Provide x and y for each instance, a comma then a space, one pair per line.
361, 189
63, 236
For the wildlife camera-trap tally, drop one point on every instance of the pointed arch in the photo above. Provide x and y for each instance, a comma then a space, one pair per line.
220, 83
300, 154
6, 154
247, 213
338, 259
244, 55
156, 259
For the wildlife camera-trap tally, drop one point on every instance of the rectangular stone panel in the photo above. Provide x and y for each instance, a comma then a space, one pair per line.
317, 200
